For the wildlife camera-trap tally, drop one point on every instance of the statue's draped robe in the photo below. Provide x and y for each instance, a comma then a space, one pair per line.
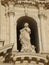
25, 38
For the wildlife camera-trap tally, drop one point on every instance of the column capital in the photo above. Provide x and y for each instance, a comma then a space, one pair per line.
9, 7
41, 11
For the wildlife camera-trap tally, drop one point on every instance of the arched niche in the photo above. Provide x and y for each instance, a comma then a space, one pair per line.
34, 31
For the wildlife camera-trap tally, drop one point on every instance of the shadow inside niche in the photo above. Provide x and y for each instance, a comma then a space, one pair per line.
34, 31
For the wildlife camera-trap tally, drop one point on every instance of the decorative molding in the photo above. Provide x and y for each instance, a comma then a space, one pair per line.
14, 59
29, 3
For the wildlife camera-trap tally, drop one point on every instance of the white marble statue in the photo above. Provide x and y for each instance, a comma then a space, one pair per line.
25, 39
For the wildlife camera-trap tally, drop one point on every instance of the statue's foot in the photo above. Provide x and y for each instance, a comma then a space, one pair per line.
33, 49
22, 50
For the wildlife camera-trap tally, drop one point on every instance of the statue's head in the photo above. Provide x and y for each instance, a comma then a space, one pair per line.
26, 25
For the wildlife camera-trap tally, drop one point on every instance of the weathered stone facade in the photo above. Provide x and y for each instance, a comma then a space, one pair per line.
13, 14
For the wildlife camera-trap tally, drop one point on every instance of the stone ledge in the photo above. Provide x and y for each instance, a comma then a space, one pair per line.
6, 47
29, 57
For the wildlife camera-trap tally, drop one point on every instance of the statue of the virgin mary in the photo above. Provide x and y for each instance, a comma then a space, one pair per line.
25, 39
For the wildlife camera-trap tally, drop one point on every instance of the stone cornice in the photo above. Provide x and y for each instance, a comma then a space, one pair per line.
30, 2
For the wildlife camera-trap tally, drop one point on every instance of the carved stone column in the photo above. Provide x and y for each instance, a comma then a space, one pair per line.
12, 24
42, 30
